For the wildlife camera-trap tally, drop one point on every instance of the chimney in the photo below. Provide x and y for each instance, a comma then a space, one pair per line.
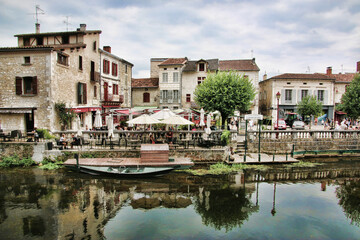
82, 27
253, 61
37, 27
358, 67
328, 70
265, 77
107, 49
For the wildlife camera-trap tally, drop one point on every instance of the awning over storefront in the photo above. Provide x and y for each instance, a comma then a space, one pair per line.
17, 110
85, 109
340, 113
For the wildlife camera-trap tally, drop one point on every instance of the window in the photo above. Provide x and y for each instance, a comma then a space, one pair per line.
304, 83
26, 85
65, 39
27, 60
115, 89
125, 68
95, 92
321, 83
288, 83
62, 59
175, 68
80, 63
146, 97
304, 93
165, 69
39, 41
201, 80
176, 96
175, 77
188, 97
320, 95
26, 41
163, 96
82, 96
288, 95
106, 66
114, 71
201, 67
165, 77
94, 46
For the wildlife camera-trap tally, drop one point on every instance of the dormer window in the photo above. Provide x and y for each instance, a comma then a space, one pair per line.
201, 67
26, 41
65, 40
39, 41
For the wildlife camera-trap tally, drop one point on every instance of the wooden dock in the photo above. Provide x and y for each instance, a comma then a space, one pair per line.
253, 158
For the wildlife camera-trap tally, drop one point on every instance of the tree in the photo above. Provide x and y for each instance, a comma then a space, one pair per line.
225, 92
309, 106
351, 98
66, 116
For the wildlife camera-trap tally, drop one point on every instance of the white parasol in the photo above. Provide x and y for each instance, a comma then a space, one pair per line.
143, 119
177, 120
110, 125
163, 114
78, 124
202, 117
130, 118
97, 121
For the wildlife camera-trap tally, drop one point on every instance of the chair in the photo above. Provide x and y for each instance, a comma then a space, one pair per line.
84, 142
13, 134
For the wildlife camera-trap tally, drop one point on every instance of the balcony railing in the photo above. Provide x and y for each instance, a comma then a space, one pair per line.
95, 76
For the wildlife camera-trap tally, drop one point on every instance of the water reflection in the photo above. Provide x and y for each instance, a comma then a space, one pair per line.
66, 205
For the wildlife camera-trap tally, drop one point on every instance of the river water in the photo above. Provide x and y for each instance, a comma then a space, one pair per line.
279, 203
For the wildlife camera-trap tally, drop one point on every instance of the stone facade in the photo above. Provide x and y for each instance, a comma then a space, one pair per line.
145, 92
292, 87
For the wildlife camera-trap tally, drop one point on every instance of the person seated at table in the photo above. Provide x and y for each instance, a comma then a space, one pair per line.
36, 135
152, 139
63, 141
75, 141
169, 137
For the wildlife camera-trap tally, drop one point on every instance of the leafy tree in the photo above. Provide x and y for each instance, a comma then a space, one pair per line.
225, 92
351, 98
66, 116
309, 106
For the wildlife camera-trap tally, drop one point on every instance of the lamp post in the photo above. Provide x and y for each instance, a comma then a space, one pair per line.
277, 118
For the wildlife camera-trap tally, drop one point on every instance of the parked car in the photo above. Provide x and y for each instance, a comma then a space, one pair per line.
298, 125
281, 125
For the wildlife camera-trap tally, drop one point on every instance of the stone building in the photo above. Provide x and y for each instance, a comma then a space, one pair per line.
145, 92
49, 68
116, 74
292, 88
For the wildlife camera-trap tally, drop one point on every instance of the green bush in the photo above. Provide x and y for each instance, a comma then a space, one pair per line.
225, 137
15, 161
51, 166
45, 133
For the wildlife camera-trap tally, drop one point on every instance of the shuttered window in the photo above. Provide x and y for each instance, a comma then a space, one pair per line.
82, 94
26, 85
146, 97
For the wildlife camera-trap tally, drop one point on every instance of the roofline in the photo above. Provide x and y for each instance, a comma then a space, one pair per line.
324, 77
19, 49
114, 56
57, 33
145, 87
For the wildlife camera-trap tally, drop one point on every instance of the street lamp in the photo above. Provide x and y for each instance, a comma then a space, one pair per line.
277, 118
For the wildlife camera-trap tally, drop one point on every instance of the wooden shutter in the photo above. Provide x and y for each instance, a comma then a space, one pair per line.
34, 85
326, 97
104, 66
84, 93
282, 97
95, 92
18, 85
79, 93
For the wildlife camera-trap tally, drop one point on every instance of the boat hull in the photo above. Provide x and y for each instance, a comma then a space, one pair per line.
123, 171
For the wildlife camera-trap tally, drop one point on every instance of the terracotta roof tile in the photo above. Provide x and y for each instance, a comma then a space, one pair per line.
346, 77
145, 82
312, 76
239, 65
173, 61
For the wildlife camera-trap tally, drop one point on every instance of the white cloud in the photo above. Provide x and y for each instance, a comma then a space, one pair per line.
286, 36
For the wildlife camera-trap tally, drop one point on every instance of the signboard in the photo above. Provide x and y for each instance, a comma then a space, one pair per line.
253, 117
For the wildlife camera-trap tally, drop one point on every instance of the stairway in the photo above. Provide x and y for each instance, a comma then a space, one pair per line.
240, 148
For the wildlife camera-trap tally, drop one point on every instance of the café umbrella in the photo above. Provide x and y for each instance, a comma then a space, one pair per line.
97, 121
177, 120
130, 118
163, 114
143, 119
110, 125
202, 117
78, 125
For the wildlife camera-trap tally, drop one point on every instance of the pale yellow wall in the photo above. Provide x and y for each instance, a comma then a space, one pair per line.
137, 97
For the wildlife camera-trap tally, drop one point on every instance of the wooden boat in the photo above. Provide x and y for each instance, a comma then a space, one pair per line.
154, 161
126, 171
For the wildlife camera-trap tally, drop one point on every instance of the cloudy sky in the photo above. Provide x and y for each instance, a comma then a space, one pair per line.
295, 36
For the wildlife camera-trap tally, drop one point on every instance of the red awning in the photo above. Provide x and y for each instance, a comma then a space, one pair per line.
126, 112
340, 113
85, 109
